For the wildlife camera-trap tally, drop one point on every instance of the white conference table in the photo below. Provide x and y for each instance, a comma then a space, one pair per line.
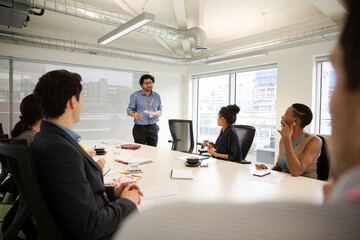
221, 181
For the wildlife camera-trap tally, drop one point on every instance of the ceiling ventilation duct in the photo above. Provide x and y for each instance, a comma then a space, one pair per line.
13, 14
317, 35
79, 9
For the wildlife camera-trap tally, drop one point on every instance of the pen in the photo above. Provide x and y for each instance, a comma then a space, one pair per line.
107, 172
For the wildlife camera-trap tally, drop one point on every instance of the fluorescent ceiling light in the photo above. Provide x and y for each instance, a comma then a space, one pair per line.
127, 27
238, 56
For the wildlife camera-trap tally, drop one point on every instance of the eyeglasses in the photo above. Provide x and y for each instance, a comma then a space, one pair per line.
148, 83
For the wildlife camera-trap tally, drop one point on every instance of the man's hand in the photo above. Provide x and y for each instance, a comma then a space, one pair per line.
130, 191
133, 193
137, 115
101, 162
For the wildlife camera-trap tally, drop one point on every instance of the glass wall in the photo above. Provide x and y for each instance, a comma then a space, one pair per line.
106, 95
327, 80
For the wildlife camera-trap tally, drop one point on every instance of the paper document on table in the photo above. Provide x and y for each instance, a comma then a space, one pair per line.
181, 174
111, 142
193, 156
157, 113
125, 159
160, 191
274, 178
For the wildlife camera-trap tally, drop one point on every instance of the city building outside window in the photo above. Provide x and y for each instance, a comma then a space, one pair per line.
254, 91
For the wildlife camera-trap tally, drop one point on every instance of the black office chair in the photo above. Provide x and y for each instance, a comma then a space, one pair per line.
182, 135
31, 200
323, 164
246, 135
1, 129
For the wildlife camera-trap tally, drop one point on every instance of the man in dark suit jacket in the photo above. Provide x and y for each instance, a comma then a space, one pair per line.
72, 182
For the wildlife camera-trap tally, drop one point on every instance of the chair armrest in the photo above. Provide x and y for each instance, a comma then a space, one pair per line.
201, 151
245, 162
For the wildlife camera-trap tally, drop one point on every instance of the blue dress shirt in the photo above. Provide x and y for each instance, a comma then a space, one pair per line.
139, 102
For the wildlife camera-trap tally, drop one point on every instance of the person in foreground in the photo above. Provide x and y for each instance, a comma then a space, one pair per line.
298, 150
142, 102
339, 218
30, 120
227, 145
71, 181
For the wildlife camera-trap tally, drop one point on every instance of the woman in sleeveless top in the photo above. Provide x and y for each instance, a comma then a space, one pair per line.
298, 150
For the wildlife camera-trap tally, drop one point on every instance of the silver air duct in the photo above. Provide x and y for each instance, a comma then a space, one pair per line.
317, 35
85, 11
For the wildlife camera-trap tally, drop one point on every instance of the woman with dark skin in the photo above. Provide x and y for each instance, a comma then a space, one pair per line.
227, 145
298, 150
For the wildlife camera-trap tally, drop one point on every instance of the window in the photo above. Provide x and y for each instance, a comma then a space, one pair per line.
256, 97
254, 91
326, 84
213, 94
4, 94
106, 95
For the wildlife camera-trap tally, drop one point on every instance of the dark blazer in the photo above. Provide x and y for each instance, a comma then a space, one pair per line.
73, 187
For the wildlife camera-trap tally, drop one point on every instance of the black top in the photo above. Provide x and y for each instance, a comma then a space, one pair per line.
228, 143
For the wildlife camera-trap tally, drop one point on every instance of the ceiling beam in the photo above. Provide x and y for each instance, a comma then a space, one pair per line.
201, 13
332, 9
180, 14
166, 46
127, 8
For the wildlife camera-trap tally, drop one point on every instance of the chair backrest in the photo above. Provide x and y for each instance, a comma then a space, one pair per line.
182, 135
246, 136
323, 165
22, 170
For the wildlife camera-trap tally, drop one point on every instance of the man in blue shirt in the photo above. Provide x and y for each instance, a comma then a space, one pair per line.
145, 107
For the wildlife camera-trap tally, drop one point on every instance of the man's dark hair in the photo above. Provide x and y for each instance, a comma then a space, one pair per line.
229, 113
54, 89
146, 76
349, 43
303, 112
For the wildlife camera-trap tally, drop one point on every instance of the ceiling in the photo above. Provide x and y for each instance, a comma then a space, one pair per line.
229, 25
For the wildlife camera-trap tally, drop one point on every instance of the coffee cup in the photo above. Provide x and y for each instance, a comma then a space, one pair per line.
192, 160
100, 151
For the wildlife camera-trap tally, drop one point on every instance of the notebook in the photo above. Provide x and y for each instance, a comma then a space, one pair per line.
125, 160
130, 146
181, 174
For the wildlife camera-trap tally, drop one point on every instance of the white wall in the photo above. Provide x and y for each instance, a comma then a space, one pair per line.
296, 75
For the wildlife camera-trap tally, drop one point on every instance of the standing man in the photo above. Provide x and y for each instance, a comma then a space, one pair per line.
71, 181
145, 107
